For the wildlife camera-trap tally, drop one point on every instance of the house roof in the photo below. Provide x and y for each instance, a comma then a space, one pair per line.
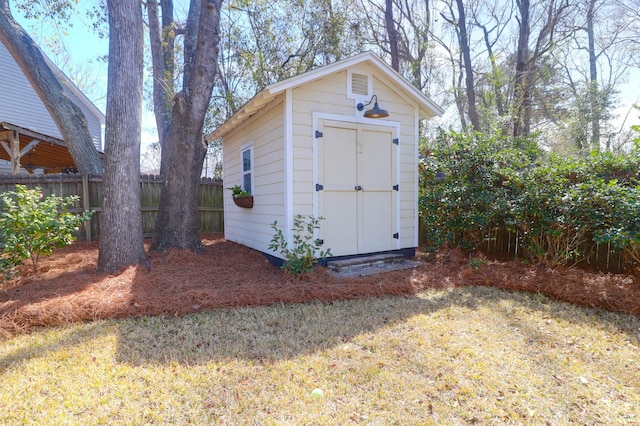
67, 83
427, 107
37, 151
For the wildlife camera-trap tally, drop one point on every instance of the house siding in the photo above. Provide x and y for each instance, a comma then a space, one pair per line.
252, 227
21, 106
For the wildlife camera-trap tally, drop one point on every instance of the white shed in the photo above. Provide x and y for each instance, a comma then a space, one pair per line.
306, 146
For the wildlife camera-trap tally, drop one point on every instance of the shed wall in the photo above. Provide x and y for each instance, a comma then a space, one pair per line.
329, 96
252, 227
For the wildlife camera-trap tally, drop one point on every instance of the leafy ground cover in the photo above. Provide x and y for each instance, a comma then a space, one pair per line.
441, 344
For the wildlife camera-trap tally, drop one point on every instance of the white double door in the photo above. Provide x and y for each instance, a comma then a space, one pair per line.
357, 191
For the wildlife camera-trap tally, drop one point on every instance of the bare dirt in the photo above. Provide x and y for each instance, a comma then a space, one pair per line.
68, 289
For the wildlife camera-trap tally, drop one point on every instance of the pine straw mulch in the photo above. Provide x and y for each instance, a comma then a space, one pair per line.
67, 289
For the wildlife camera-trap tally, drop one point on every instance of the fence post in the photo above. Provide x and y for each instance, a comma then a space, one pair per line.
86, 205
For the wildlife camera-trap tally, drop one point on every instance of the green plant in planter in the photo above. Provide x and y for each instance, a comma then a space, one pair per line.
238, 192
300, 258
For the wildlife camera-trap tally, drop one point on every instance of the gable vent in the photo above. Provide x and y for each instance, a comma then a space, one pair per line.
360, 84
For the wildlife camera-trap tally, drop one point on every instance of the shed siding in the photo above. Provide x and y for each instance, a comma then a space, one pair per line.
325, 95
252, 227
20, 105
311, 100
405, 113
329, 95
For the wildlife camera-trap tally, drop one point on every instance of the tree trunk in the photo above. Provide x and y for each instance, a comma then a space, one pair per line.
393, 35
161, 40
495, 71
522, 90
593, 78
121, 222
68, 117
178, 222
468, 67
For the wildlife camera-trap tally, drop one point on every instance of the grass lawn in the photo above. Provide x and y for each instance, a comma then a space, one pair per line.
459, 356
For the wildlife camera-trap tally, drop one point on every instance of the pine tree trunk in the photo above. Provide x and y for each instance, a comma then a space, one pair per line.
393, 35
121, 221
178, 221
522, 90
468, 67
593, 78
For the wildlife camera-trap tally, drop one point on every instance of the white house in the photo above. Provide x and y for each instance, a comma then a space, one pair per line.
319, 144
23, 115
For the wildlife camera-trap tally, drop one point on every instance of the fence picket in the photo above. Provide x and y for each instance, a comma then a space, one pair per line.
89, 190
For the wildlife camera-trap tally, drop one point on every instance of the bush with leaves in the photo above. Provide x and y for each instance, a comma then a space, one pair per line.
542, 216
32, 225
564, 206
305, 250
463, 194
558, 207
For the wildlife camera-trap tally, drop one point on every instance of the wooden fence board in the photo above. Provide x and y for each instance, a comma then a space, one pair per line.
602, 256
210, 196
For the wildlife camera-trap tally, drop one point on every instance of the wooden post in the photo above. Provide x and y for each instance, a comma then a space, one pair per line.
15, 153
86, 205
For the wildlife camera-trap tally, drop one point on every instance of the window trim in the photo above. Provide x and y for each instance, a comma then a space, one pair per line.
244, 148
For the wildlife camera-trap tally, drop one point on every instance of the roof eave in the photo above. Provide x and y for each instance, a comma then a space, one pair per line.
66, 81
428, 108
244, 113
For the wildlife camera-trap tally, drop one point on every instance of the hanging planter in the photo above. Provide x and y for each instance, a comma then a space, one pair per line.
241, 198
245, 202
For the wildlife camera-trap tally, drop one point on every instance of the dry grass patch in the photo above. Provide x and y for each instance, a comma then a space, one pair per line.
460, 356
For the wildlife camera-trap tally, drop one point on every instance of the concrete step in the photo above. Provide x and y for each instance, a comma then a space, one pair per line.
369, 265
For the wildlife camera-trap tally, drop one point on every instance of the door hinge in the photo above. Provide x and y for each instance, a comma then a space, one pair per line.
319, 242
396, 187
319, 187
396, 141
318, 134
396, 236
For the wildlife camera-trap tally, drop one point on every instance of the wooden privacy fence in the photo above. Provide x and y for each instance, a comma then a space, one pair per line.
602, 256
89, 189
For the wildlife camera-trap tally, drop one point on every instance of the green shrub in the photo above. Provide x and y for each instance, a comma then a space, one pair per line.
300, 258
463, 194
541, 217
32, 225
558, 207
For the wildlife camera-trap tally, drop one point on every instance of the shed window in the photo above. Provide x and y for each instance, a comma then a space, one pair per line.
247, 168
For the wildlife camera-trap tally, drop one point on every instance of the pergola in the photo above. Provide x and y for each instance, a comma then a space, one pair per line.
33, 150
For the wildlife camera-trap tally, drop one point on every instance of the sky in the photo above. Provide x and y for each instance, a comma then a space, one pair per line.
85, 48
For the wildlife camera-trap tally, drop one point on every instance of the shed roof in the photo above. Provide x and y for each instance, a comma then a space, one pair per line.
427, 107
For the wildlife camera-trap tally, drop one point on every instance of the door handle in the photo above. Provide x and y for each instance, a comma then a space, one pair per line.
359, 188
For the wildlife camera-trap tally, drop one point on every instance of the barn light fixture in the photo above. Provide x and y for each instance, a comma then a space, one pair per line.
375, 112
